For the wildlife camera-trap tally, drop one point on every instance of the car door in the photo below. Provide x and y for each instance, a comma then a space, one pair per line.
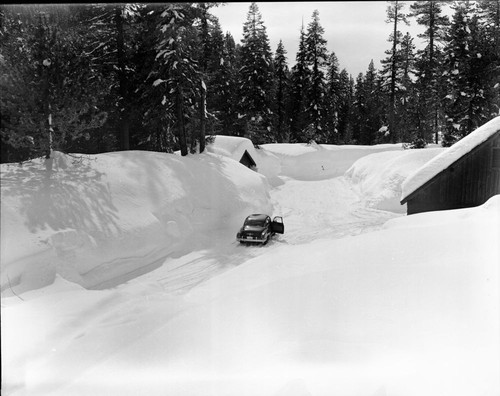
277, 225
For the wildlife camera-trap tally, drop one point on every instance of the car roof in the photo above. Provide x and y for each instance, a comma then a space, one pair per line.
257, 217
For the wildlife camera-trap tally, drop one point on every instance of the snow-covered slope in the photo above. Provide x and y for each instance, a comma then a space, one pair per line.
96, 218
320, 162
408, 310
378, 177
449, 156
340, 304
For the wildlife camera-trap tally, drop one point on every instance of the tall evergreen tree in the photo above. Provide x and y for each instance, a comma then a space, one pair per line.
48, 88
344, 107
317, 60
179, 73
298, 97
395, 16
489, 11
368, 109
406, 91
281, 74
429, 15
256, 78
228, 108
333, 99
467, 67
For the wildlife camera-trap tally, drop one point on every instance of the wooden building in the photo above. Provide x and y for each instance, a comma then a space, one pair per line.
247, 160
465, 175
237, 148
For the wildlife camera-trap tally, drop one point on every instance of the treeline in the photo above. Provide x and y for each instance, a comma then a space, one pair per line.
163, 77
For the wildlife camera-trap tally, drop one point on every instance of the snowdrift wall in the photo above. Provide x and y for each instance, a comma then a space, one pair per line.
95, 218
319, 162
378, 178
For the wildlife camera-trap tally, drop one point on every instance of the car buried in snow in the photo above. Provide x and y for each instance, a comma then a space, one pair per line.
259, 228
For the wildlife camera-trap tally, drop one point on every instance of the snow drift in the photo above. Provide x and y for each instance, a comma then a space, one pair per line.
378, 177
319, 162
408, 308
94, 218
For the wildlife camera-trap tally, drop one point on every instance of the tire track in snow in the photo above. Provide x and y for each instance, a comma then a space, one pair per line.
311, 210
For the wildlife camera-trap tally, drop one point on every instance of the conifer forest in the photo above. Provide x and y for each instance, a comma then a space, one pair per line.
165, 77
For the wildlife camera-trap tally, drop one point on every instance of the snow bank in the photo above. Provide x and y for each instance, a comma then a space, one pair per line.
448, 157
409, 310
97, 218
378, 177
318, 162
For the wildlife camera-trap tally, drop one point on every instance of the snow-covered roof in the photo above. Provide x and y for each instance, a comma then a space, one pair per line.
442, 161
232, 146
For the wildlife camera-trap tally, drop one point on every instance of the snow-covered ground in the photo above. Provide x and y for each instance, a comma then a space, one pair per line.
120, 275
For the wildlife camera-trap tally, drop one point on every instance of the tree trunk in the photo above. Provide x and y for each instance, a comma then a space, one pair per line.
392, 124
203, 106
180, 123
432, 71
123, 132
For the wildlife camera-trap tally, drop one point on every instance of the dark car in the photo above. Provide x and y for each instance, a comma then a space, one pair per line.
258, 228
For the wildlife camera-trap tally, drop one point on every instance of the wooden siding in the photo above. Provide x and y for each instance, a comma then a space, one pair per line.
469, 181
247, 160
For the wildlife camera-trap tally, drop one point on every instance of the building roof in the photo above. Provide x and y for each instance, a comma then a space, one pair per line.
233, 147
442, 161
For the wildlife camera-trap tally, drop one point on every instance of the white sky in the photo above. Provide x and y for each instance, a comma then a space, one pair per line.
355, 30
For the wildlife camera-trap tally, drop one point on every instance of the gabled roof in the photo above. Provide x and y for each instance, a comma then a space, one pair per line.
233, 147
444, 160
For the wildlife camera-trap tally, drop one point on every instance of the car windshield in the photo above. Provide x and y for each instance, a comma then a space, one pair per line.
254, 222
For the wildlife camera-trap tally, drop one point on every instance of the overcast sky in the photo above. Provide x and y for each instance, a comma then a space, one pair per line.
355, 30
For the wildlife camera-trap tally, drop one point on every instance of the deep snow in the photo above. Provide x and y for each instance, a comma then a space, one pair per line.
121, 276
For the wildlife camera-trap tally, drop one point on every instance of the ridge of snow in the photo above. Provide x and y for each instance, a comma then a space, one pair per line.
378, 177
309, 162
448, 157
96, 219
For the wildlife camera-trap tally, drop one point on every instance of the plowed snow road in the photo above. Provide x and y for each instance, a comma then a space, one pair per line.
311, 210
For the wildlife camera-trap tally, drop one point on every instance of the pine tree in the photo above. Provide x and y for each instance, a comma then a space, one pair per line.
317, 60
255, 78
281, 74
358, 109
368, 108
48, 88
406, 91
395, 16
344, 106
467, 104
489, 23
429, 14
333, 99
300, 84
228, 109
179, 73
